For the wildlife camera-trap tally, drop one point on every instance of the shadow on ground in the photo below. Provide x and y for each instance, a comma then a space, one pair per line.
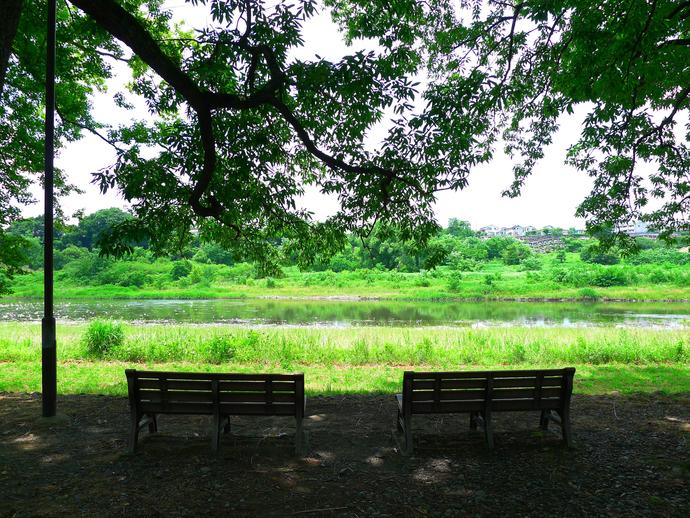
632, 456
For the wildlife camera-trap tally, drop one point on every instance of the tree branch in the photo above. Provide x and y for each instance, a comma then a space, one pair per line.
125, 27
9, 22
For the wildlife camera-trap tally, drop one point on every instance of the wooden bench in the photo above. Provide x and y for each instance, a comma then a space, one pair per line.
216, 394
479, 394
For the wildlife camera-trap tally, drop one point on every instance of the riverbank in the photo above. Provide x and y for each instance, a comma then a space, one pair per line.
351, 346
569, 282
349, 360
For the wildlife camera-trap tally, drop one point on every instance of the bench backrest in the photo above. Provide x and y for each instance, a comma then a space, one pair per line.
200, 393
447, 392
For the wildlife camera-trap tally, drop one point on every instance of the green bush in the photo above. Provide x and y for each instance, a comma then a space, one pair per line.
659, 276
180, 269
588, 294
531, 264
102, 336
607, 277
594, 254
659, 256
454, 282
515, 253
137, 279
220, 349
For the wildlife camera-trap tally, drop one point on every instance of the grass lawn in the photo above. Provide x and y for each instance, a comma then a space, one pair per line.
351, 360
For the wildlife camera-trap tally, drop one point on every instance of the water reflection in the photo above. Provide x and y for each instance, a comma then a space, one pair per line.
359, 313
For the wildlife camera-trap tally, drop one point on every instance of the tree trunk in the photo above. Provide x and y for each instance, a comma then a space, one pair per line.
10, 10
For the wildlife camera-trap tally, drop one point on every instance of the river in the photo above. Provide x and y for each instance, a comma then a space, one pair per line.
338, 313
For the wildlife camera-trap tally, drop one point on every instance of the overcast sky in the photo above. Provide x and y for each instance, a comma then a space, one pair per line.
550, 196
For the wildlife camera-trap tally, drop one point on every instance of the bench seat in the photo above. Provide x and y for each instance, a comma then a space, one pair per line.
220, 395
481, 393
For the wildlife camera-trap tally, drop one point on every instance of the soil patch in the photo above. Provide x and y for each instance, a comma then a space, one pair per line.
631, 456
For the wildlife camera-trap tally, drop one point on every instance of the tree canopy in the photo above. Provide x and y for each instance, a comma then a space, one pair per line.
239, 126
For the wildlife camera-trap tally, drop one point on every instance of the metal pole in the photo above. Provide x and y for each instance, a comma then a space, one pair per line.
48, 356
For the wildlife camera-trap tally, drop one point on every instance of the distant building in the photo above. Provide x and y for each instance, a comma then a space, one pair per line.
490, 230
529, 229
634, 228
515, 231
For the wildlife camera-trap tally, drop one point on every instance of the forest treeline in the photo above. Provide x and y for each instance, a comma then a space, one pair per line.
455, 249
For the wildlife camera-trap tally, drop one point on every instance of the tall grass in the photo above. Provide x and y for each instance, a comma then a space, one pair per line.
357, 346
102, 337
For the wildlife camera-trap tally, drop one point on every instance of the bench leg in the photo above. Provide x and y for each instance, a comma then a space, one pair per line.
215, 432
399, 421
133, 433
473, 420
409, 445
226, 426
544, 420
488, 430
299, 437
153, 423
565, 428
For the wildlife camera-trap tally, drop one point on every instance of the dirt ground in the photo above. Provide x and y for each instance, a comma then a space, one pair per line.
631, 457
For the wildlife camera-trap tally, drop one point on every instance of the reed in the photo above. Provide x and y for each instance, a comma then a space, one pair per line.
357, 346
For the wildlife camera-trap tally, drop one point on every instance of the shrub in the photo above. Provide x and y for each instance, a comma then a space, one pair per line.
220, 349
658, 276
422, 281
533, 276
594, 254
659, 256
577, 276
461, 264
454, 282
610, 277
136, 279
496, 245
515, 253
588, 294
531, 264
180, 269
102, 336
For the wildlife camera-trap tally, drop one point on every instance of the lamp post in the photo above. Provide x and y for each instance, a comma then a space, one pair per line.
48, 353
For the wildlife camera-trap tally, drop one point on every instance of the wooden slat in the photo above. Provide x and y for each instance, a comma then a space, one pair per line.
257, 409
448, 395
177, 408
256, 397
524, 404
257, 386
221, 376
485, 374
529, 382
423, 384
177, 396
449, 383
463, 383
525, 381
525, 393
174, 384
446, 407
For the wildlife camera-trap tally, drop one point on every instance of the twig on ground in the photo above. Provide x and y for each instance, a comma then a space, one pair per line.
320, 510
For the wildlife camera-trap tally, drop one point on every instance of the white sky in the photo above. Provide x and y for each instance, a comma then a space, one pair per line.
549, 197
